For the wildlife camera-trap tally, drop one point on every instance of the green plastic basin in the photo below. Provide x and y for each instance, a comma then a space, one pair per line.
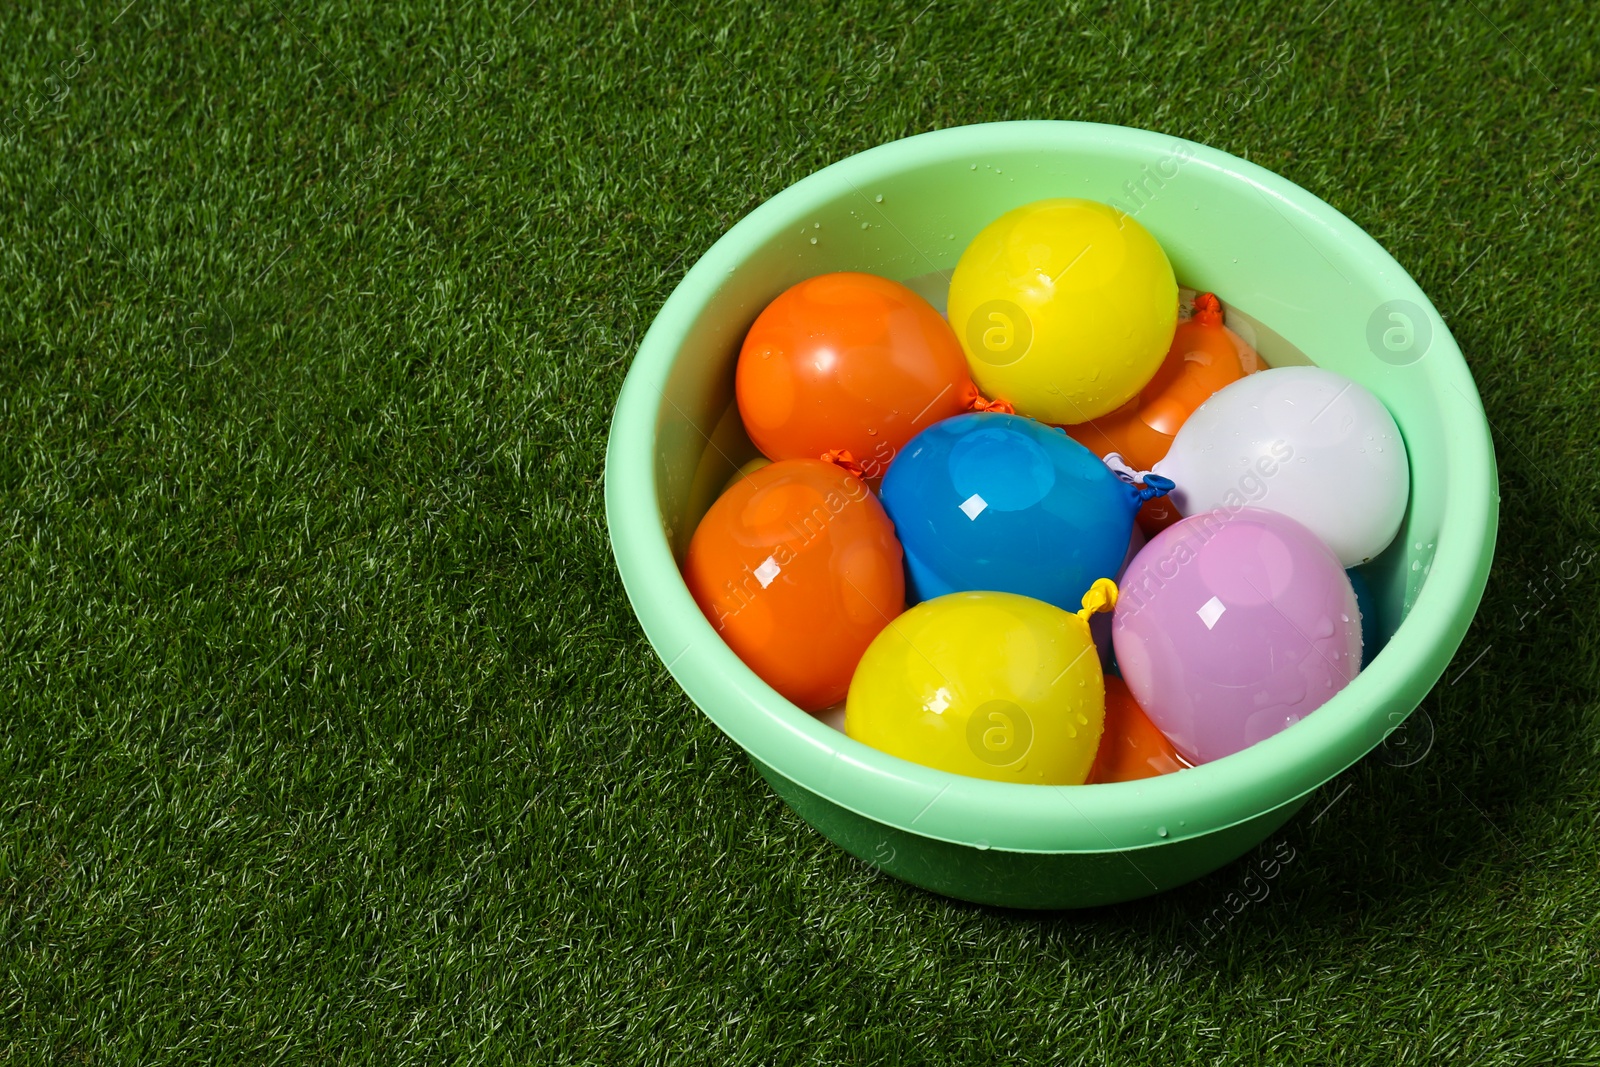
1319, 290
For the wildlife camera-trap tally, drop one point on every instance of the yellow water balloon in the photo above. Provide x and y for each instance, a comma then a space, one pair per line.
1065, 307
991, 685
748, 468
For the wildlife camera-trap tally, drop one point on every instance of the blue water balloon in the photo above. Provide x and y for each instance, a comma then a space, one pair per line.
1371, 639
1005, 503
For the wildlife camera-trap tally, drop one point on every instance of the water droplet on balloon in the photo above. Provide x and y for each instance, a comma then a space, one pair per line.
1161, 831
972, 166
1343, 617
813, 240
1325, 627
816, 225
879, 199
1083, 720
871, 431
864, 225
981, 846
1416, 565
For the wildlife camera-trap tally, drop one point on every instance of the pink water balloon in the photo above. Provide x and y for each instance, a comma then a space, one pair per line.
1234, 624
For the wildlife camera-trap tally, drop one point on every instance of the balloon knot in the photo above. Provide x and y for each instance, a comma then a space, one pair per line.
841, 457
1102, 596
1155, 486
1122, 469
976, 401
1207, 309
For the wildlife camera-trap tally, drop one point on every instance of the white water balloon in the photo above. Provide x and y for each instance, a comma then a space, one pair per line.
1301, 441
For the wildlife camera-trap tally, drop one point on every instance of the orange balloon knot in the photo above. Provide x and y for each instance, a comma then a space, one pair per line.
1208, 309
976, 401
1102, 596
841, 457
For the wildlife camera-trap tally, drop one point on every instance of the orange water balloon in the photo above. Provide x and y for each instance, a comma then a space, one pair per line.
1131, 747
848, 362
1156, 515
798, 568
1205, 356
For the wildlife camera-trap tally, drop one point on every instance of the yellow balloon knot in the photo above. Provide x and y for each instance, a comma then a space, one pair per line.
1102, 596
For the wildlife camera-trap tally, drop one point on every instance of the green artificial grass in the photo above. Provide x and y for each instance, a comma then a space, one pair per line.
329, 735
